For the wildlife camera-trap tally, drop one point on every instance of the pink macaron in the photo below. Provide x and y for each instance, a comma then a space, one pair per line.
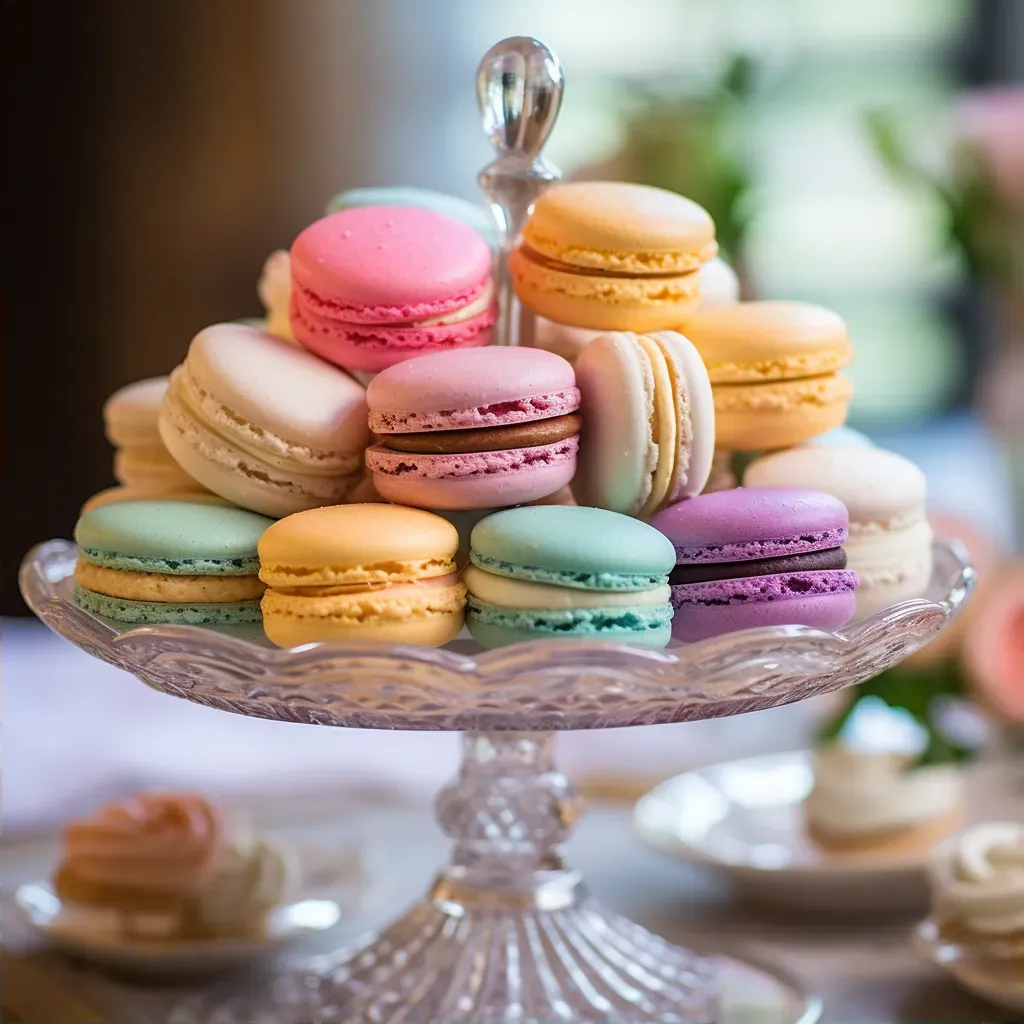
479, 429
374, 285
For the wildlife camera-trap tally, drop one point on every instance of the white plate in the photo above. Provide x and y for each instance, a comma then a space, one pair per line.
999, 983
745, 818
40, 906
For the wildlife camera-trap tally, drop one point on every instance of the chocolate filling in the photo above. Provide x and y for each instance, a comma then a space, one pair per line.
572, 268
487, 439
709, 572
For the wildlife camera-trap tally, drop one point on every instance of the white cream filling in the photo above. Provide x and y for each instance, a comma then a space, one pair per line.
509, 593
479, 305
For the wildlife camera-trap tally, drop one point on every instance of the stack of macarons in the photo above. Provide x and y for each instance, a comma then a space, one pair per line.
143, 467
370, 414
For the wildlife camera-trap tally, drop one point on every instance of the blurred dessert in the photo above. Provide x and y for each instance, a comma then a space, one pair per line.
169, 866
977, 883
275, 292
866, 802
722, 477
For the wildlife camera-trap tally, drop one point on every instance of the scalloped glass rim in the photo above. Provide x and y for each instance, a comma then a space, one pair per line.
547, 685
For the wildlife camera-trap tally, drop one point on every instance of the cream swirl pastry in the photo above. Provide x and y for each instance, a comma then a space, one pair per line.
860, 797
978, 880
156, 843
170, 866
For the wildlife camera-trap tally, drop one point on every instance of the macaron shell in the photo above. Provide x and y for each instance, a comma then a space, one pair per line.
370, 348
407, 614
602, 303
277, 388
664, 426
233, 473
113, 495
877, 486
620, 227
893, 565
130, 413
151, 468
179, 536
694, 414
350, 544
750, 342
143, 612
591, 548
829, 611
485, 387
753, 523
762, 417
389, 264
719, 285
495, 627
478, 481
618, 455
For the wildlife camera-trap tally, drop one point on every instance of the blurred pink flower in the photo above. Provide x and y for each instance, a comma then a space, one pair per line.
993, 648
993, 124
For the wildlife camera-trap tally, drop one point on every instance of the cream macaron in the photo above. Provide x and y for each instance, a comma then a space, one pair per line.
890, 541
264, 423
648, 436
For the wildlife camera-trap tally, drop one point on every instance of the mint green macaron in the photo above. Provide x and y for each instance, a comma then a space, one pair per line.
161, 561
563, 571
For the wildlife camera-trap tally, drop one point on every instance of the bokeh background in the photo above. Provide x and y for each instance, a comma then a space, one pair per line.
868, 156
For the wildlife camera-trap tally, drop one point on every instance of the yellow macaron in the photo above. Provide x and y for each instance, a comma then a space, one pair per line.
774, 371
372, 571
613, 256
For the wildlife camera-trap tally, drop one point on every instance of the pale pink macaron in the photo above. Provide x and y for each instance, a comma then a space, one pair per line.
479, 429
374, 285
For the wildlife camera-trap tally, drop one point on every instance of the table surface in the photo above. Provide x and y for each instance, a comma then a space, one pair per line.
865, 972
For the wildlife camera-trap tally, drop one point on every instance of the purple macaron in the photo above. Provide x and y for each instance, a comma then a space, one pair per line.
758, 556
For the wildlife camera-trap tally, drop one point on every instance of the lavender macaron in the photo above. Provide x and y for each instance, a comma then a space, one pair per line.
758, 557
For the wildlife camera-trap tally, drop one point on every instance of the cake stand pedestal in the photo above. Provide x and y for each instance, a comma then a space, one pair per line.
508, 932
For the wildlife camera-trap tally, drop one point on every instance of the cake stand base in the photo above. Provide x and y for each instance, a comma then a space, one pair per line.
508, 933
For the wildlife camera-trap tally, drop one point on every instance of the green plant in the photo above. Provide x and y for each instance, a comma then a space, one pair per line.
691, 144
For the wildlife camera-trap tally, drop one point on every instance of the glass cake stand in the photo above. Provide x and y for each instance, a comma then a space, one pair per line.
508, 933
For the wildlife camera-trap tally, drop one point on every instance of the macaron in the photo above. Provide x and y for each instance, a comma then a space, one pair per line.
612, 256
264, 423
842, 437
112, 495
169, 561
471, 214
142, 465
374, 285
551, 571
649, 422
774, 370
480, 429
890, 543
719, 285
758, 557
361, 572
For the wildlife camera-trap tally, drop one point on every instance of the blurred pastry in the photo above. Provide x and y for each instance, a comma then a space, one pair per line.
169, 866
612, 256
977, 883
722, 477
866, 802
774, 371
275, 292
890, 543
719, 285
143, 467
